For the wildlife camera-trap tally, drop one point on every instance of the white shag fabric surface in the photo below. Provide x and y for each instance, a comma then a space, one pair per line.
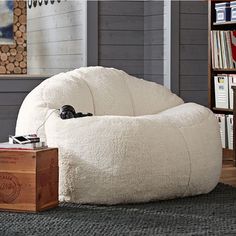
142, 144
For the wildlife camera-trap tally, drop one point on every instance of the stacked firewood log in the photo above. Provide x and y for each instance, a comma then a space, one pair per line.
13, 57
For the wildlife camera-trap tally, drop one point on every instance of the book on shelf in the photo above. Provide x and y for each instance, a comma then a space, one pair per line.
230, 134
220, 48
223, 49
224, 94
28, 146
232, 82
221, 91
222, 125
226, 130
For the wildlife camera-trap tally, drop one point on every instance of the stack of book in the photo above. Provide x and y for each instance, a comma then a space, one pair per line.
223, 49
226, 130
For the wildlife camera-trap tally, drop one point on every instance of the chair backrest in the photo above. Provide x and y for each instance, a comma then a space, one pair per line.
99, 90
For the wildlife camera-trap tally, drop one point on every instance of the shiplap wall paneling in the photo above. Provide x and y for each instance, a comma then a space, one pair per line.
193, 51
12, 93
57, 37
154, 54
121, 36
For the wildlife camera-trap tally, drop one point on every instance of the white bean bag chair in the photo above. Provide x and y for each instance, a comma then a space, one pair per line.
142, 144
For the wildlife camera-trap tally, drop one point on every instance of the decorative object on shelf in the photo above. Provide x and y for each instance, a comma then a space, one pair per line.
222, 12
233, 11
13, 58
40, 2
6, 22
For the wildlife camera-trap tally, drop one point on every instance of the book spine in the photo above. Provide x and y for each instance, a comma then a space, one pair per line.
223, 51
216, 50
212, 51
231, 64
219, 50
233, 45
226, 50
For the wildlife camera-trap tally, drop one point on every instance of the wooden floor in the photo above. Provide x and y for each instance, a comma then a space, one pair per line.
228, 175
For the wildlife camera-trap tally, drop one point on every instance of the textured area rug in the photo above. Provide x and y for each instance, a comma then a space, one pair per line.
211, 214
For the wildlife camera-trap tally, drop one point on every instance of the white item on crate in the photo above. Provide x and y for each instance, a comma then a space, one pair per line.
222, 124
232, 82
230, 122
221, 91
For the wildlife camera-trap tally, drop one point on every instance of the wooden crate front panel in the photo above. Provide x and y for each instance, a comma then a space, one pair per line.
17, 161
17, 191
28, 180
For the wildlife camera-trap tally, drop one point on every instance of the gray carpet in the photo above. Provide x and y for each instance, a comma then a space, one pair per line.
211, 214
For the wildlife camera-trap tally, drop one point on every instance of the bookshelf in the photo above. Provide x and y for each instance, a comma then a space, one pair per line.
229, 161
224, 23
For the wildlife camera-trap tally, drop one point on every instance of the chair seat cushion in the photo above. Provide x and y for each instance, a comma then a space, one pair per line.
120, 159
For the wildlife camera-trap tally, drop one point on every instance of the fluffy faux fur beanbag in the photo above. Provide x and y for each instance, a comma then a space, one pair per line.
142, 144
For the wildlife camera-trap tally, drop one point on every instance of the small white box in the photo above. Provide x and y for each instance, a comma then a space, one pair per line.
221, 91
223, 11
230, 134
222, 124
232, 82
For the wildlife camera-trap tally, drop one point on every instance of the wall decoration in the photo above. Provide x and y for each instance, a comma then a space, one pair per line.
13, 58
6, 21
40, 2
35, 3
30, 3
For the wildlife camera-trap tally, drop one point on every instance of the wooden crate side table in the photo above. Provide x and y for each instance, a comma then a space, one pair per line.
28, 179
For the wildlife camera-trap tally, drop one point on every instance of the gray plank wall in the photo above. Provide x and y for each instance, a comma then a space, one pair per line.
121, 36
131, 38
153, 41
12, 93
193, 51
